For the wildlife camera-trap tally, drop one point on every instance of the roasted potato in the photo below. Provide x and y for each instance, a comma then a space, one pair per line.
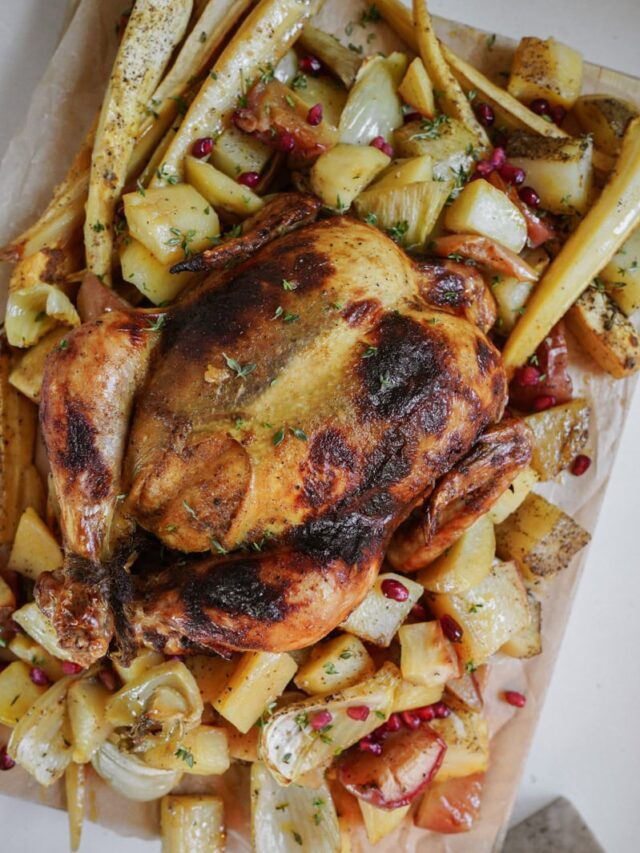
153, 279
223, 192
17, 692
621, 275
545, 69
484, 210
379, 823
334, 665
416, 89
560, 433
377, 618
426, 656
236, 152
511, 294
466, 735
341, 173
449, 143
192, 824
464, 564
35, 549
527, 643
606, 118
512, 497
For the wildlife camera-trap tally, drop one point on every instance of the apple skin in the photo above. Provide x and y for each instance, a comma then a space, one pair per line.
451, 806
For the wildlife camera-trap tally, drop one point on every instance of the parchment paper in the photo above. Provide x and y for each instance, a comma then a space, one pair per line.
61, 111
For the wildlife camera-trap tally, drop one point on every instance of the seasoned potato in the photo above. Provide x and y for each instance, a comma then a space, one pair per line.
604, 332
236, 152
404, 172
512, 497
27, 375
448, 141
408, 213
558, 167
172, 222
410, 695
540, 537
467, 737
465, 563
416, 89
527, 643
482, 209
325, 91
34, 549
560, 433
545, 69
258, 679
7, 600
605, 118
243, 746
144, 660
379, 823
223, 192
488, 614
203, 751
341, 173
26, 649
377, 618
17, 692
511, 294
152, 278
622, 275
334, 665
86, 706
192, 824
426, 656
211, 674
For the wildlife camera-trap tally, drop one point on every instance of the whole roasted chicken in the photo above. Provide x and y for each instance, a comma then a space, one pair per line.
271, 430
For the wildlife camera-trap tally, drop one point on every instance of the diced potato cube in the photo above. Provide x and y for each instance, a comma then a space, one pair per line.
511, 295
605, 333
152, 278
243, 746
17, 692
409, 695
426, 656
334, 665
512, 497
34, 549
403, 172
622, 275
221, 190
559, 168
172, 222
203, 751
86, 703
7, 599
211, 674
236, 152
379, 823
545, 69
377, 618
144, 660
27, 375
527, 643
467, 737
465, 563
409, 213
38, 626
560, 433
605, 118
258, 679
192, 824
26, 649
448, 141
323, 90
488, 614
416, 89
482, 209
342, 172
464, 692
540, 537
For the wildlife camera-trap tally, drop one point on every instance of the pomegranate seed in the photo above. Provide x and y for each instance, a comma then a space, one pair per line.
202, 147
286, 142
440, 710
6, 762
484, 114
370, 746
410, 719
419, 612
544, 401
425, 713
249, 179
528, 375
412, 116
71, 668
484, 168
39, 676
320, 720
541, 107
310, 65
394, 590
388, 150
393, 724
358, 712
580, 464
513, 174
314, 116
452, 630
529, 196
378, 142
498, 157
107, 677
558, 114
518, 700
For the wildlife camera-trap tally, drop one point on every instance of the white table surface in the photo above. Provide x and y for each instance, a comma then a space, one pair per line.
587, 745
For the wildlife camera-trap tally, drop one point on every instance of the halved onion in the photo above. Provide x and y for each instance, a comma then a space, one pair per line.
130, 776
373, 107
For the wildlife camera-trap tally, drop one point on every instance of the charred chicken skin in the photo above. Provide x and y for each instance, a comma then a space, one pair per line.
272, 430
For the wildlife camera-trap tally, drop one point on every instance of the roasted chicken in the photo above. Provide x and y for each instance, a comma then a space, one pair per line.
272, 429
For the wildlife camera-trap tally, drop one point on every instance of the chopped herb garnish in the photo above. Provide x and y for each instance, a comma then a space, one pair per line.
369, 352
171, 528
140, 188
288, 285
278, 437
297, 837
345, 655
299, 433
380, 715
301, 720
349, 28
385, 382
299, 81
241, 371
286, 758
165, 175
473, 608
220, 549
97, 227
157, 324
371, 219
40, 316
356, 48
491, 41
398, 231
64, 343
189, 509
431, 128
340, 207
330, 668
290, 101
282, 807
185, 755
470, 666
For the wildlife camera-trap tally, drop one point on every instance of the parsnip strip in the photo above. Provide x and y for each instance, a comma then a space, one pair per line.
262, 39
154, 29
597, 238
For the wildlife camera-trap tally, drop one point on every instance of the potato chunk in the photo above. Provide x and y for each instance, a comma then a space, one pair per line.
621, 275
379, 823
236, 152
605, 118
482, 209
540, 537
401, 173
511, 294
448, 141
27, 375
335, 665
466, 735
193, 824
377, 618
512, 497
203, 751
465, 563
488, 614
426, 656
605, 333
416, 89
527, 643
152, 278
86, 706
172, 222
35, 549
560, 433
7, 600
17, 692
545, 69
410, 695
222, 191
211, 674
341, 173
558, 167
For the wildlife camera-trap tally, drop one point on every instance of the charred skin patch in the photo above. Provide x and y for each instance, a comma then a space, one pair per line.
329, 460
80, 455
363, 311
446, 288
340, 534
486, 356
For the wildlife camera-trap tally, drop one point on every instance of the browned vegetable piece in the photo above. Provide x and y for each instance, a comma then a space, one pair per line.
560, 433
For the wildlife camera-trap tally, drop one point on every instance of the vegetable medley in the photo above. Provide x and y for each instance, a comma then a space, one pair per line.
534, 185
